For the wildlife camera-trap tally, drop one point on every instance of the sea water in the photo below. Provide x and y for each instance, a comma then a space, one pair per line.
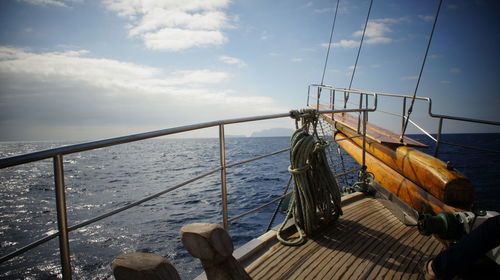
102, 180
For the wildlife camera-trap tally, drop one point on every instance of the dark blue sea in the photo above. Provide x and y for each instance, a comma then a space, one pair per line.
105, 179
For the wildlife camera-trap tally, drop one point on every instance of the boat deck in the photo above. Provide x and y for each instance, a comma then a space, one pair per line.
367, 242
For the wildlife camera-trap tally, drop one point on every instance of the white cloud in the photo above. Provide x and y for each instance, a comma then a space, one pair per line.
46, 3
374, 29
57, 3
232, 60
171, 39
297, 59
343, 44
323, 10
427, 18
378, 40
264, 35
409, 78
71, 89
455, 70
377, 32
174, 25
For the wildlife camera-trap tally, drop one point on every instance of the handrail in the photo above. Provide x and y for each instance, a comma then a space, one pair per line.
101, 217
404, 117
76, 148
58, 153
428, 99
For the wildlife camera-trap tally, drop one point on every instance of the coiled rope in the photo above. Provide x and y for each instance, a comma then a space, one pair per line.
316, 195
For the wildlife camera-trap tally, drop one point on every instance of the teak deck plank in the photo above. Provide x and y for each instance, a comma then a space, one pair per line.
373, 132
367, 242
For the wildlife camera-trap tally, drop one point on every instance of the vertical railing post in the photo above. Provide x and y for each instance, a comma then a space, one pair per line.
308, 93
62, 220
366, 106
438, 138
346, 98
223, 178
332, 102
319, 97
403, 118
359, 114
365, 120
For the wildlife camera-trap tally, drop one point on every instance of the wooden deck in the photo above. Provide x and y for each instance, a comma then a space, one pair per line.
367, 242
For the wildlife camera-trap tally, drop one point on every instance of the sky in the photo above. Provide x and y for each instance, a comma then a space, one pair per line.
84, 70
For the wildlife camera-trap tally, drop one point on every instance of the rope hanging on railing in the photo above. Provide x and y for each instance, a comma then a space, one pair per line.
410, 109
316, 196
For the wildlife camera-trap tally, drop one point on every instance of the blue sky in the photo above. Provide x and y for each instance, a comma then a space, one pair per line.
79, 70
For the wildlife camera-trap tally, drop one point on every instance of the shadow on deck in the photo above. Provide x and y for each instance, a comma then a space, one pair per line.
367, 242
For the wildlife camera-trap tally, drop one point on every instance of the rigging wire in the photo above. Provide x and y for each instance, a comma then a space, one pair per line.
410, 109
330, 43
359, 51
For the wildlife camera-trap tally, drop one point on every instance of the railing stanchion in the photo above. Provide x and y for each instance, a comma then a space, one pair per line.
438, 138
308, 93
403, 118
319, 97
359, 114
62, 220
365, 119
332, 101
223, 178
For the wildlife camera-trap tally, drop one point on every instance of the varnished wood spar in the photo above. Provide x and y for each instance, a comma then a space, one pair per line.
373, 132
214, 247
430, 173
406, 190
142, 266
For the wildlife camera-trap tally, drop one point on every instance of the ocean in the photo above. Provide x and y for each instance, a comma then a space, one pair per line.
105, 179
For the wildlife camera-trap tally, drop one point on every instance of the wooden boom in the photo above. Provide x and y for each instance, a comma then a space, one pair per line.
428, 172
409, 192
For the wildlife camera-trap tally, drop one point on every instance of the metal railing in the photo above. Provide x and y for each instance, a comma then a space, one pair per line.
366, 98
363, 96
57, 155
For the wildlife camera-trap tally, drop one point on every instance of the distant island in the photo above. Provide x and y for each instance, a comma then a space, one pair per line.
273, 132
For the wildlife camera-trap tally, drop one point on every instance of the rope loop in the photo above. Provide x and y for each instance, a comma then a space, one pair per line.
299, 170
308, 117
316, 195
320, 145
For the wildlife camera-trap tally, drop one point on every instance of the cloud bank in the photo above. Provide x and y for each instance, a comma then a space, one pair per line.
59, 91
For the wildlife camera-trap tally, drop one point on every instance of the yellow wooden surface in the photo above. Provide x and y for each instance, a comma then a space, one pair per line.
428, 172
367, 242
375, 133
409, 192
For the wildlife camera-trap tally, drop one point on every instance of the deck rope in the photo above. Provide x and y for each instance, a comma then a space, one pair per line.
316, 195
